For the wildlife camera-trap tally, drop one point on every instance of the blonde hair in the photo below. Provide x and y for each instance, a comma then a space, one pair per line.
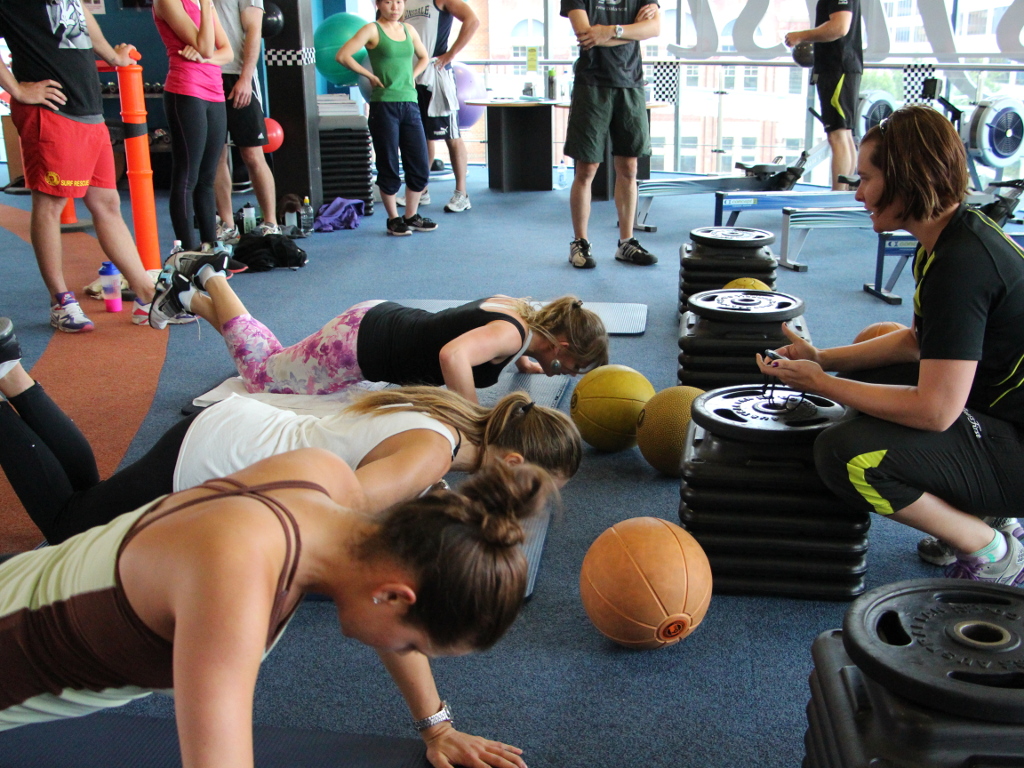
463, 550
544, 436
565, 316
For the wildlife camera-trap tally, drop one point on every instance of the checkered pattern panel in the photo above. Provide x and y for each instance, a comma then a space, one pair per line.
666, 81
914, 76
285, 57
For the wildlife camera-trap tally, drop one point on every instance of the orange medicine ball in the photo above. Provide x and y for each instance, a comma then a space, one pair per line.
645, 583
878, 329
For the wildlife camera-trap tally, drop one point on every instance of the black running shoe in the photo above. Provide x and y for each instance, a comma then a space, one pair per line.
633, 253
420, 224
397, 227
580, 255
167, 303
188, 263
10, 349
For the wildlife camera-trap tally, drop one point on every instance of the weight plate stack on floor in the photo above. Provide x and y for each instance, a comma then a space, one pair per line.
752, 498
944, 690
722, 330
717, 255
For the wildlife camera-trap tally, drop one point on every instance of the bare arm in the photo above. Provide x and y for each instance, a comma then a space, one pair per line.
115, 56
493, 341
367, 37
48, 93
934, 404
469, 25
837, 26
252, 28
445, 745
401, 467
207, 42
646, 25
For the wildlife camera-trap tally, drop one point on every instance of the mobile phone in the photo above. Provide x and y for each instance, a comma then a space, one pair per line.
771, 354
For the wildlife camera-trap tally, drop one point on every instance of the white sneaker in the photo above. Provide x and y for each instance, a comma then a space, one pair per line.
458, 203
424, 198
267, 229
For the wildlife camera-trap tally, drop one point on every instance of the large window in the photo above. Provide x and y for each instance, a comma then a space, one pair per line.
692, 75
728, 78
977, 23
750, 78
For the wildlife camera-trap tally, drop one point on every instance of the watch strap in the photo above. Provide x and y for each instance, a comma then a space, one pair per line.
442, 715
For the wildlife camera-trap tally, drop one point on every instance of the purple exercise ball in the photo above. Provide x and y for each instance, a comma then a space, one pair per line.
470, 88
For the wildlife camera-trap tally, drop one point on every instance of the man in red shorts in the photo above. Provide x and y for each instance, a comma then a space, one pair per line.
56, 107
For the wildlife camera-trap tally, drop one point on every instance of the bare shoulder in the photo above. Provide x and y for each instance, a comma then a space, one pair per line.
311, 465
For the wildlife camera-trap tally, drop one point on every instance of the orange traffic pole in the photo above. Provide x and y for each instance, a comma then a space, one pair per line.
136, 151
69, 220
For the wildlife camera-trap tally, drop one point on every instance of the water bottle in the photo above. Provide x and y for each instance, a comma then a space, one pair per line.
248, 218
562, 179
176, 247
306, 217
110, 278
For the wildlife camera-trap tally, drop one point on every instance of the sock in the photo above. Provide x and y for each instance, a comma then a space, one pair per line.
205, 273
185, 297
994, 551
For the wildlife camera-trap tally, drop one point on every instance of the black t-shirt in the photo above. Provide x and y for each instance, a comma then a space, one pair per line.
402, 344
616, 66
969, 305
845, 54
49, 40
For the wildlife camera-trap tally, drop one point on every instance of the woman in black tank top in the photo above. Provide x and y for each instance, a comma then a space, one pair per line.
463, 347
208, 578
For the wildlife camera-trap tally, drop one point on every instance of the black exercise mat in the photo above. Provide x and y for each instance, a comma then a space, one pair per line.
108, 740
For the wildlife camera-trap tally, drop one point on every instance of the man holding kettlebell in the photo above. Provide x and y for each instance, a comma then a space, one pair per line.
838, 64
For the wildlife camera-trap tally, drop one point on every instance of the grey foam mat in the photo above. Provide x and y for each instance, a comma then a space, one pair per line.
536, 529
619, 319
106, 740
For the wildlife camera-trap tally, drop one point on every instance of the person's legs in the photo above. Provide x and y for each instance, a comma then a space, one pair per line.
460, 162
116, 240
222, 189
413, 146
844, 156
186, 120
625, 194
580, 197
204, 196
44, 230
383, 126
262, 181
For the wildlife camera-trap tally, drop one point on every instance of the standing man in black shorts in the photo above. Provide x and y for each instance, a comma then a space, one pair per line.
838, 64
432, 20
608, 100
243, 24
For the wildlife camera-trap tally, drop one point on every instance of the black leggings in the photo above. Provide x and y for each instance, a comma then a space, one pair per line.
198, 131
51, 467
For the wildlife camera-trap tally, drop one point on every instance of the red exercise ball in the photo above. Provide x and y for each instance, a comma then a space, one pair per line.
275, 136
645, 583
878, 329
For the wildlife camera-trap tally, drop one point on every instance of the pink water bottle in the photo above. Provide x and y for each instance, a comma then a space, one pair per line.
111, 281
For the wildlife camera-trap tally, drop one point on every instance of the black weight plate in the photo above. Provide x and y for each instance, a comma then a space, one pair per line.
740, 305
704, 257
700, 336
952, 645
745, 413
717, 379
732, 237
823, 524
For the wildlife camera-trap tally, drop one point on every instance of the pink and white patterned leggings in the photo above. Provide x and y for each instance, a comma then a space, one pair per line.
320, 364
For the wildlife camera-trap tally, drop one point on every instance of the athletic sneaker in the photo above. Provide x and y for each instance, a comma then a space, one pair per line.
227, 234
938, 552
10, 349
189, 263
140, 315
67, 316
267, 229
1009, 570
580, 255
458, 203
398, 227
424, 198
632, 252
172, 298
420, 224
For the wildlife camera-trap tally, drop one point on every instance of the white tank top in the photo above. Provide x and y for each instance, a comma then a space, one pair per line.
240, 431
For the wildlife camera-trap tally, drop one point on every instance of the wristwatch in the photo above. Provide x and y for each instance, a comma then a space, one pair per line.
618, 31
438, 717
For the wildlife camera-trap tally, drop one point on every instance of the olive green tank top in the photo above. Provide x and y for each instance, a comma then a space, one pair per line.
392, 62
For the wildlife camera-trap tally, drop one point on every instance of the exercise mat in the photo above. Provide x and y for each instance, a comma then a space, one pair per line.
107, 740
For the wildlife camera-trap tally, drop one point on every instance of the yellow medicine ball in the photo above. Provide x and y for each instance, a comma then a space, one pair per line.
748, 283
661, 428
606, 404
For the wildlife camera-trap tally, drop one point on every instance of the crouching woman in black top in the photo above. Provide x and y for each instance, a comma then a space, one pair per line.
943, 448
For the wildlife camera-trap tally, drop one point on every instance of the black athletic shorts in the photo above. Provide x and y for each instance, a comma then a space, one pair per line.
436, 128
838, 93
246, 126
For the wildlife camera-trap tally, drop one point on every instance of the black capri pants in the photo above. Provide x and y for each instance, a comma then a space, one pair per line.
977, 465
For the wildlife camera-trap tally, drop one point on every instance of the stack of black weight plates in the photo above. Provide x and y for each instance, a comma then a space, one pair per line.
345, 164
722, 330
751, 497
925, 673
719, 255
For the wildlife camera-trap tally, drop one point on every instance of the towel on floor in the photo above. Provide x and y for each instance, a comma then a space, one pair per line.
338, 214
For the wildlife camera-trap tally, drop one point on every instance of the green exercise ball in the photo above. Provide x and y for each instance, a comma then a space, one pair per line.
334, 32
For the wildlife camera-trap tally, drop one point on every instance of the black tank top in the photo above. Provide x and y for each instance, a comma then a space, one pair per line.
401, 345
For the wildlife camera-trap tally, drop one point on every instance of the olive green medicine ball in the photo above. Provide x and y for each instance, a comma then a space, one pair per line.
606, 403
661, 428
749, 283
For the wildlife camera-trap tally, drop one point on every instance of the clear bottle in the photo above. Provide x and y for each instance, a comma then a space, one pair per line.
562, 177
306, 217
110, 278
176, 247
248, 218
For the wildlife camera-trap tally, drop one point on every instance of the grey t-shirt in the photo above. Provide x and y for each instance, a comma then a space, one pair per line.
230, 14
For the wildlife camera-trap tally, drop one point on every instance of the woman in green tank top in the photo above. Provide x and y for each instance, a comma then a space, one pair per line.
397, 56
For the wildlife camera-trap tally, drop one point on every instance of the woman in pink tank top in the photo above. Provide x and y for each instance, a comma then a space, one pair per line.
194, 103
